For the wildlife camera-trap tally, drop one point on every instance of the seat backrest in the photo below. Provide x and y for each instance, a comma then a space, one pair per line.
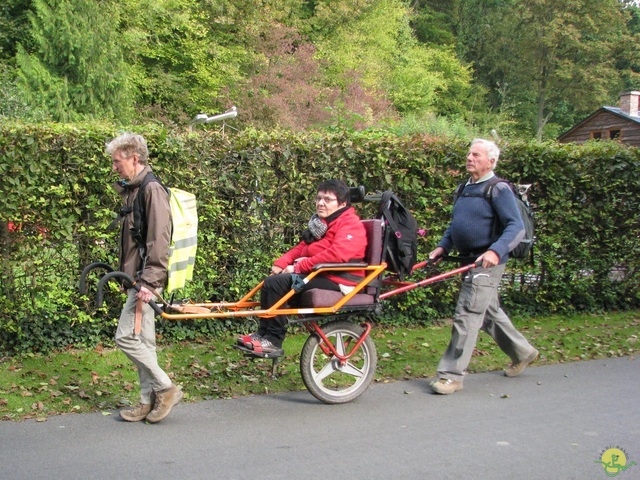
373, 254
374, 228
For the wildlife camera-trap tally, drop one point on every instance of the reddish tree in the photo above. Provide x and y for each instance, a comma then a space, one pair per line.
288, 89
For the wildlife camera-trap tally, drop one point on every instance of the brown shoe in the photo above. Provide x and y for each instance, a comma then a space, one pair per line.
516, 368
137, 413
165, 400
445, 386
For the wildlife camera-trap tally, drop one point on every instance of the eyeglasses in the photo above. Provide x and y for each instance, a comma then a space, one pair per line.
325, 199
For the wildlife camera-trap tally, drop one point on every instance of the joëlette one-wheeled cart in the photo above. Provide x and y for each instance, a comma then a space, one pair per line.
339, 358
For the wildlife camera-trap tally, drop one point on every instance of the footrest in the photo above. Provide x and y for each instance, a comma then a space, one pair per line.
252, 353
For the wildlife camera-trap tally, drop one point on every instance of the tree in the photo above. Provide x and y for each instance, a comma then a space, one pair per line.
288, 88
628, 56
185, 53
545, 56
76, 69
434, 21
287, 82
285, 87
376, 43
14, 27
12, 102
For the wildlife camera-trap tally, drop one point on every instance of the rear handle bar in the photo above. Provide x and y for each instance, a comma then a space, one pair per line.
429, 281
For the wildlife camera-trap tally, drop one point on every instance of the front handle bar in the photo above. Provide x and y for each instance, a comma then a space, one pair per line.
128, 283
83, 276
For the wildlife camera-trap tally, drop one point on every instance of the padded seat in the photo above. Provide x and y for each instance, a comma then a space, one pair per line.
318, 297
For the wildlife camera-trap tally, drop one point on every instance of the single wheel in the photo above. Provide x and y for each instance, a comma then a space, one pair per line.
323, 374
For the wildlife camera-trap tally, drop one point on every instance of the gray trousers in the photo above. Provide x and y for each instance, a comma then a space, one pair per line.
141, 349
479, 308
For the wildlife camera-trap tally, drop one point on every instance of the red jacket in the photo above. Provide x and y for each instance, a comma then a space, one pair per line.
345, 240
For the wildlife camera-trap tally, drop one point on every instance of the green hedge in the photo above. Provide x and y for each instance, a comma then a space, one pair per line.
255, 193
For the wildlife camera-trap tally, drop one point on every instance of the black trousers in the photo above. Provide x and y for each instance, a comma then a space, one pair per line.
275, 287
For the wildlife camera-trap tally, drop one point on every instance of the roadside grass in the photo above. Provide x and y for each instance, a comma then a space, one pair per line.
36, 386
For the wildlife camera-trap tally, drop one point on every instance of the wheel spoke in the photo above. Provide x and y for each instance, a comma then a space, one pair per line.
325, 371
340, 343
352, 370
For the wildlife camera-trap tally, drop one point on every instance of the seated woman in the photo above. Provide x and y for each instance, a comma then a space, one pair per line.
335, 235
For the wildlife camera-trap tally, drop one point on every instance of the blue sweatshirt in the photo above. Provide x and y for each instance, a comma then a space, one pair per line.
471, 228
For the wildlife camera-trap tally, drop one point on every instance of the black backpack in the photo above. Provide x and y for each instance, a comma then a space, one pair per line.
524, 250
401, 235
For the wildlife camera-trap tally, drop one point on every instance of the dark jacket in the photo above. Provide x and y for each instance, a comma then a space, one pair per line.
345, 240
158, 214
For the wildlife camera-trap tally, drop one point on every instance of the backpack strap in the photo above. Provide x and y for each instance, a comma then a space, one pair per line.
488, 188
139, 230
487, 191
458, 191
385, 209
384, 212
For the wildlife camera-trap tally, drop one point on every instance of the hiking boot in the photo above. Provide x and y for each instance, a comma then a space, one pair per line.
137, 413
244, 339
445, 386
516, 369
165, 400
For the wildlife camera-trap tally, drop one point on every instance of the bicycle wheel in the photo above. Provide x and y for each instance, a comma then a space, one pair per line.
324, 376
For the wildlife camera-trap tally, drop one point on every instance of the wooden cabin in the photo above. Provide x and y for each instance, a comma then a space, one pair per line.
610, 123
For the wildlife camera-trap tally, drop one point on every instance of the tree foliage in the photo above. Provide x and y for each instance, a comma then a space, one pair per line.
628, 54
545, 56
77, 70
526, 68
290, 88
14, 27
184, 54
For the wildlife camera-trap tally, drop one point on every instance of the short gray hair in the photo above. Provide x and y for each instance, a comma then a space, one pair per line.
493, 152
129, 143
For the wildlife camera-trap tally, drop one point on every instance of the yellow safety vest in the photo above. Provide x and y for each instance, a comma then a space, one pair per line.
184, 238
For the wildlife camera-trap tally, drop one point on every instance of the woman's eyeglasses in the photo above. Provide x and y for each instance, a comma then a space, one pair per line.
325, 199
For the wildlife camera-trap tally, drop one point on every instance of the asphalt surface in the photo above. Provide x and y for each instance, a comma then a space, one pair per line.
552, 422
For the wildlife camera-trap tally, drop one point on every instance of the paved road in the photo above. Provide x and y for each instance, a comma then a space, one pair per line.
553, 422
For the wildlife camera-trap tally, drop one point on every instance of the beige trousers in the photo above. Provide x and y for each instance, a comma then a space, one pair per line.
141, 349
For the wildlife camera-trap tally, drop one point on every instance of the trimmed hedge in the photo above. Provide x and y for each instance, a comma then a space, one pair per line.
255, 192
